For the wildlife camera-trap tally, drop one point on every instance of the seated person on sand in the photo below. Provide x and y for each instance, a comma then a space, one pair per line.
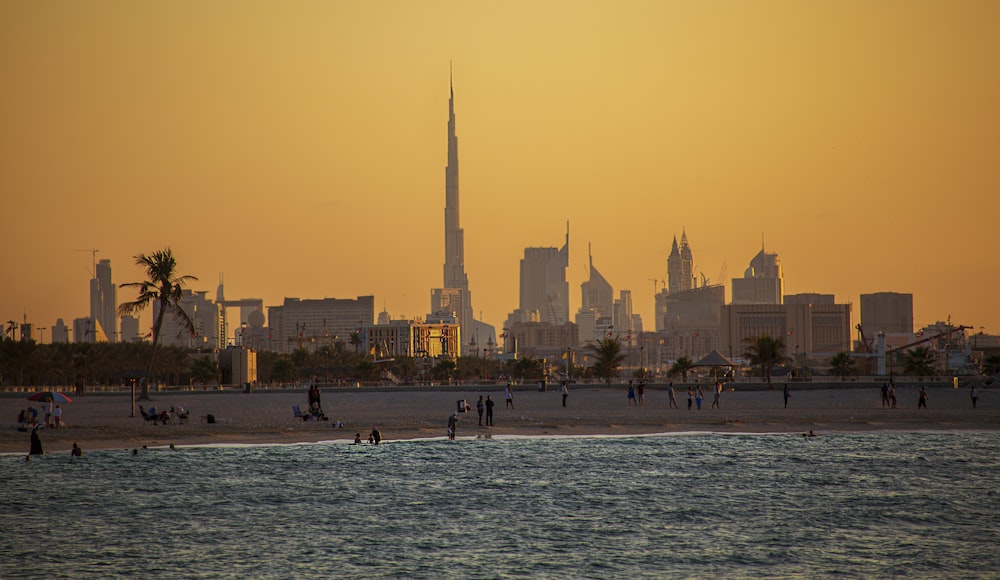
181, 412
317, 412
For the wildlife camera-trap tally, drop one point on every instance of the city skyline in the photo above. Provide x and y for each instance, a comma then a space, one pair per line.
299, 152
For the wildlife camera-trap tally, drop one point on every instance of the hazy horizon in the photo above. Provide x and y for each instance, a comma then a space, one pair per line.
300, 149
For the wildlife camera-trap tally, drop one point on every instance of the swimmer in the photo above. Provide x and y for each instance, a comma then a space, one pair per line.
357, 438
76, 451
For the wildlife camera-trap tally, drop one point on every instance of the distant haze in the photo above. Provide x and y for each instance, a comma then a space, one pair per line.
300, 147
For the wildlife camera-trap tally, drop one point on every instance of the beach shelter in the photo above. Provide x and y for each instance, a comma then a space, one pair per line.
715, 359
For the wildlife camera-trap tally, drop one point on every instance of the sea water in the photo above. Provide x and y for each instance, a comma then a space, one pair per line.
695, 505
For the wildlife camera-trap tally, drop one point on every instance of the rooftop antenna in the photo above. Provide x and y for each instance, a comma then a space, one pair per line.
93, 258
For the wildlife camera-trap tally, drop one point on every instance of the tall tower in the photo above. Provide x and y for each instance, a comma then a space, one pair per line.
454, 237
103, 306
680, 266
454, 298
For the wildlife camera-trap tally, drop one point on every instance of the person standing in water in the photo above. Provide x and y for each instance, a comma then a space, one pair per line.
36, 443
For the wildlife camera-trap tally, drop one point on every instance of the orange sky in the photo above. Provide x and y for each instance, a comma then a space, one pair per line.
299, 147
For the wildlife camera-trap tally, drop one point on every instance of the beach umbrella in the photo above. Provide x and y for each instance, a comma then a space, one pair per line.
50, 397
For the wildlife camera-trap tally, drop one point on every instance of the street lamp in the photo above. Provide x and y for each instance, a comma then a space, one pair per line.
486, 354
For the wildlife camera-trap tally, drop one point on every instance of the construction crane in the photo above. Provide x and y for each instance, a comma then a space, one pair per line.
93, 259
946, 333
865, 343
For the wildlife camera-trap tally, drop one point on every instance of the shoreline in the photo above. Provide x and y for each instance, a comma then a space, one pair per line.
266, 418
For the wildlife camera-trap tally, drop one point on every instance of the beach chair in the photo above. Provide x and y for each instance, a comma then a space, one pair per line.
299, 414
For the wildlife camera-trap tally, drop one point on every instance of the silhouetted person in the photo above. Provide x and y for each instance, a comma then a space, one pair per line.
922, 399
36, 443
489, 411
787, 394
565, 391
76, 451
480, 406
975, 396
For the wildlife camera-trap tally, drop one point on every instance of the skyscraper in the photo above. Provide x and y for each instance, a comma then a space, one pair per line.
762, 282
103, 308
889, 312
680, 266
454, 237
597, 292
544, 295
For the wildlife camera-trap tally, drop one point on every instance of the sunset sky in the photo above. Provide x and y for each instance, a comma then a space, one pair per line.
300, 147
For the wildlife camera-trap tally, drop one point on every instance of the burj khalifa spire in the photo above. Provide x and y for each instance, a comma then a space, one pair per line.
454, 237
454, 301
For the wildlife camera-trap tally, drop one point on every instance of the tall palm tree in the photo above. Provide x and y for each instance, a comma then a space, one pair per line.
608, 356
163, 287
842, 365
765, 351
682, 366
919, 361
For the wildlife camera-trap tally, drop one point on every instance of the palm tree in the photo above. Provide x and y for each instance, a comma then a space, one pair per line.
765, 351
919, 361
682, 366
842, 365
608, 356
163, 287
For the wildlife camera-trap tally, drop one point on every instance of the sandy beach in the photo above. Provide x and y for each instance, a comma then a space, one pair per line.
103, 421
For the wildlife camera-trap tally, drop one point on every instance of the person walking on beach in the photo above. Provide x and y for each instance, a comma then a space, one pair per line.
975, 396
489, 411
509, 396
452, 425
892, 396
690, 397
480, 406
565, 391
672, 403
698, 397
885, 395
787, 394
716, 396
641, 393
922, 399
631, 394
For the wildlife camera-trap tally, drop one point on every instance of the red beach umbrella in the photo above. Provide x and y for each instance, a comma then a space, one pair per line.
49, 396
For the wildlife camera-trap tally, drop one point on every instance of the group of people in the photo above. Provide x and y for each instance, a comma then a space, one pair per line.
697, 396
374, 438
888, 395
29, 418
636, 395
165, 416
315, 408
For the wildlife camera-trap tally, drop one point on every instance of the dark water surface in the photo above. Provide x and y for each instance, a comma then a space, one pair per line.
707, 506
